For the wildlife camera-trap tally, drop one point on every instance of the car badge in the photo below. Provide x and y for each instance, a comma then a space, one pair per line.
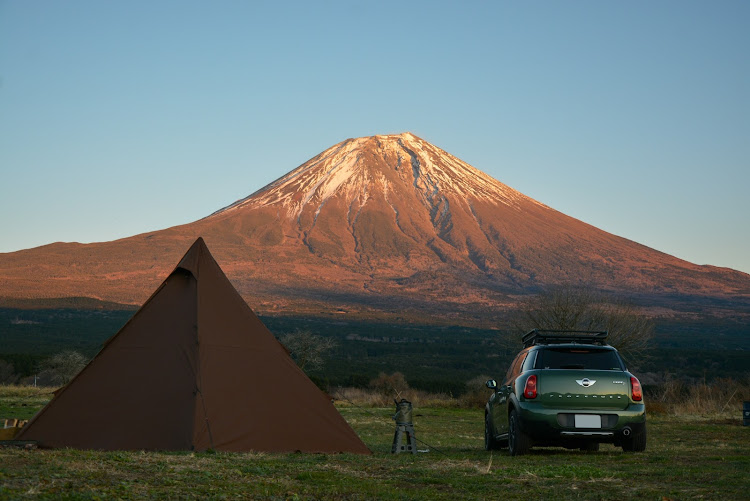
586, 382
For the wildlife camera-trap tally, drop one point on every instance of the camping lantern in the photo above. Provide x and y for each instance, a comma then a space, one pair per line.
404, 439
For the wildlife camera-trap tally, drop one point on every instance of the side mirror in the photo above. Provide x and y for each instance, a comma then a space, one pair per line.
491, 384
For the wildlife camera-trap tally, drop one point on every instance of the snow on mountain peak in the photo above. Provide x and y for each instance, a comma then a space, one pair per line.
351, 167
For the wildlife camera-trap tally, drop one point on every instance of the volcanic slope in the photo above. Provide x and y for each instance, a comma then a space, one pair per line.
387, 222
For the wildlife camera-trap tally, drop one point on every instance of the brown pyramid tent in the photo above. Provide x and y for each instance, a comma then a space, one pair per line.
194, 369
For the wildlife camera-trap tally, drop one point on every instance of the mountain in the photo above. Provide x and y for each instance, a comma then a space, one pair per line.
387, 224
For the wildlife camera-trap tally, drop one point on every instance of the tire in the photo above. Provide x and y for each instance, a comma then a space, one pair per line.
490, 444
590, 447
635, 442
518, 442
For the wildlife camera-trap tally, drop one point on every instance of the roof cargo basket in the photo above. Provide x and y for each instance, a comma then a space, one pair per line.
545, 336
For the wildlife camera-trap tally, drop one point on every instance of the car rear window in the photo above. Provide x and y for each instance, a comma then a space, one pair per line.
578, 358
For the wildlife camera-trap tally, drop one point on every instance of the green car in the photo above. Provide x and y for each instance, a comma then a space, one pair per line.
569, 389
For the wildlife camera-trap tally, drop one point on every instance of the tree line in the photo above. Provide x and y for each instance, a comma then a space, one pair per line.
54, 371
562, 308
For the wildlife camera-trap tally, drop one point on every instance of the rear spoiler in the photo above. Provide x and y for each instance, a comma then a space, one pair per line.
546, 336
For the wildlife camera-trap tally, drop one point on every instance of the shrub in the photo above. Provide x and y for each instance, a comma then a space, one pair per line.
7, 373
59, 369
476, 393
390, 384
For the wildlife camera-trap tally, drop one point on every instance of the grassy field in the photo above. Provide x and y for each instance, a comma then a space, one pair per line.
688, 457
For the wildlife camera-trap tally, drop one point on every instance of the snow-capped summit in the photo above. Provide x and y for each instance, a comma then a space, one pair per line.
355, 166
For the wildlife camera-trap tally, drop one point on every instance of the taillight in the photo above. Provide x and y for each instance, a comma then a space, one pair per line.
529, 390
636, 392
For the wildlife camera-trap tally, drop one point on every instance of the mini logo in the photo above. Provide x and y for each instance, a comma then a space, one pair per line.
586, 382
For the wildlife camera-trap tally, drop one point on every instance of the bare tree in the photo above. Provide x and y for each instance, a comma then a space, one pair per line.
387, 384
575, 308
307, 349
59, 369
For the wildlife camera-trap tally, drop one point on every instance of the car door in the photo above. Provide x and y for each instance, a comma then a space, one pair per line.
502, 394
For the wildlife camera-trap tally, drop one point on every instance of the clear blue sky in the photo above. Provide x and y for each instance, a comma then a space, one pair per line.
118, 118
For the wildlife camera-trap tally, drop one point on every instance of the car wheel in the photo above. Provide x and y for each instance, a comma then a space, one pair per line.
635, 442
590, 447
518, 442
490, 444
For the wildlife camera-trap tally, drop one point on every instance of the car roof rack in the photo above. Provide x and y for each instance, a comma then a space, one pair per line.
548, 336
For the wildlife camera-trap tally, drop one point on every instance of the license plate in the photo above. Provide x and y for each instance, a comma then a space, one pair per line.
588, 421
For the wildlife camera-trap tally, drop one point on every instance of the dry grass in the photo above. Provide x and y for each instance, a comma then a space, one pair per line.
361, 397
717, 398
19, 391
720, 398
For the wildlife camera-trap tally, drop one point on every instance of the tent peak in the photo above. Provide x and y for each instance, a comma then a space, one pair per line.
193, 257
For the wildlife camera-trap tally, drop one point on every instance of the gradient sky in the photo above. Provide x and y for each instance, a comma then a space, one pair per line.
118, 118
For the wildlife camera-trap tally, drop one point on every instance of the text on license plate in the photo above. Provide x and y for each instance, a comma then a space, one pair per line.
588, 421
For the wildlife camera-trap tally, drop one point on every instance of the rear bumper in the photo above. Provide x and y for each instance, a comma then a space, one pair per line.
555, 426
